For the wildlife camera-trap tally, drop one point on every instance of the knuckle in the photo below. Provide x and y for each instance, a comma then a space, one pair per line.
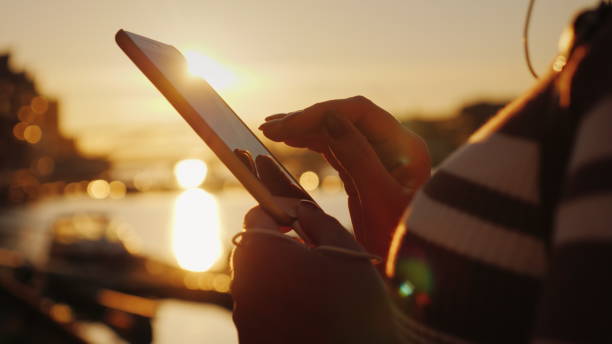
325, 106
257, 217
251, 215
320, 106
361, 99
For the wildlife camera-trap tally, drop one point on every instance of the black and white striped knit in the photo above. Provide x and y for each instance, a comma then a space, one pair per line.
475, 262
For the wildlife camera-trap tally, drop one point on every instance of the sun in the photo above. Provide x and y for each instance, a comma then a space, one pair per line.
217, 75
190, 173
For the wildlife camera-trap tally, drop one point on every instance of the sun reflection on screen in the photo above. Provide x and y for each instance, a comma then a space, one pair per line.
218, 76
196, 241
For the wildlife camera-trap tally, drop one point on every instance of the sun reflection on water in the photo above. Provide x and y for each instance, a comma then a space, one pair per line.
196, 229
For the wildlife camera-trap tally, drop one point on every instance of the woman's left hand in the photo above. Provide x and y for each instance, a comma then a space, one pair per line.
285, 292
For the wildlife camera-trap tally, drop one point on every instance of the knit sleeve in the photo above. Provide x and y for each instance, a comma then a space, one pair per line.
576, 301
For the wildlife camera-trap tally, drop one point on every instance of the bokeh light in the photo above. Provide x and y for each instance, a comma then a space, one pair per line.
32, 134
98, 189
39, 105
71, 189
26, 114
117, 189
143, 182
44, 166
61, 313
331, 184
221, 283
19, 129
309, 181
190, 173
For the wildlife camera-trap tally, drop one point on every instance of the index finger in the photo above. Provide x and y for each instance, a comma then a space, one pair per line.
375, 123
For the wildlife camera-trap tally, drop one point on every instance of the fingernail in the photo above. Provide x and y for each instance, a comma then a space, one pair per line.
335, 127
269, 124
278, 115
309, 204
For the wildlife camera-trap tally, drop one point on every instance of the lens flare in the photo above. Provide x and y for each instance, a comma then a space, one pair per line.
406, 289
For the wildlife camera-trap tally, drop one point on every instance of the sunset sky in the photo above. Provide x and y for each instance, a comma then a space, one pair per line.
406, 55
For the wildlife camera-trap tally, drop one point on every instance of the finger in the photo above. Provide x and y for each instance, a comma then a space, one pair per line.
276, 180
324, 229
263, 247
247, 159
409, 177
375, 186
371, 119
255, 220
316, 142
354, 203
258, 218
356, 155
347, 181
278, 115
261, 261
400, 151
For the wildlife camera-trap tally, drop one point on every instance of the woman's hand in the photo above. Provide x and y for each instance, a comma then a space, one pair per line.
381, 163
285, 292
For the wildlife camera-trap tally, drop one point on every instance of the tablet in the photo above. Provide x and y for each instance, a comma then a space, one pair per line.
218, 125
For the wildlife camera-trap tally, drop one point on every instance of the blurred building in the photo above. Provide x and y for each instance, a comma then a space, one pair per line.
443, 136
37, 159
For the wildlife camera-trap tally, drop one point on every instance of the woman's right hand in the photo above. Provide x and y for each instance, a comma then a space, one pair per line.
380, 162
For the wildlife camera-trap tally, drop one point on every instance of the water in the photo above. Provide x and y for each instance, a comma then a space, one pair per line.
191, 228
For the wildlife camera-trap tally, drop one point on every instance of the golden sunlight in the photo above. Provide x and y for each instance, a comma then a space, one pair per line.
218, 76
190, 173
196, 241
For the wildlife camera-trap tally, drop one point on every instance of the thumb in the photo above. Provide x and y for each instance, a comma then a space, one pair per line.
323, 229
258, 218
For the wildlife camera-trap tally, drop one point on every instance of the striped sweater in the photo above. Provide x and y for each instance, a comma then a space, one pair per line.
474, 262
